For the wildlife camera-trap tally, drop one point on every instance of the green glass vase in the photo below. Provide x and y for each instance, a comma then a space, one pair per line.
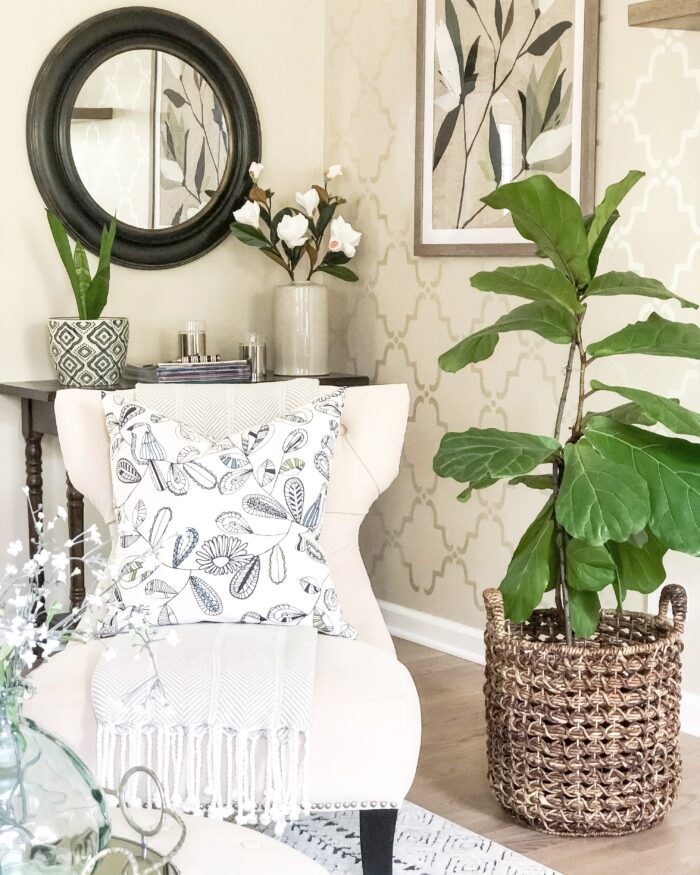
53, 816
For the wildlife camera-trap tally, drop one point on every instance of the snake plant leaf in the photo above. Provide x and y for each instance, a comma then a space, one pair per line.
584, 610
606, 210
62, 242
655, 336
532, 569
96, 295
671, 469
628, 283
482, 457
82, 272
534, 481
536, 282
640, 568
589, 568
667, 411
549, 217
550, 321
600, 499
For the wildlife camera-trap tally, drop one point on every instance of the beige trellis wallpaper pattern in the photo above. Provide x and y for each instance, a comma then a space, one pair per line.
424, 549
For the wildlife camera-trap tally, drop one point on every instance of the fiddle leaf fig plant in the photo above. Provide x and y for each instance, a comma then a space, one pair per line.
617, 494
90, 292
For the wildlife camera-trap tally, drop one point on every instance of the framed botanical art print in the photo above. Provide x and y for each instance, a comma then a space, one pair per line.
506, 89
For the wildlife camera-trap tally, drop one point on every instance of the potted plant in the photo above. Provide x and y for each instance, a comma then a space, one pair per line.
88, 350
583, 704
285, 237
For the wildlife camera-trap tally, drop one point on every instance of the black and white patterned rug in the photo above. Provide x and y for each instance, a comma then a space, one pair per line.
425, 845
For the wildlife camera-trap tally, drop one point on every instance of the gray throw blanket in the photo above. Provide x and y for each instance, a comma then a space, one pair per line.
222, 717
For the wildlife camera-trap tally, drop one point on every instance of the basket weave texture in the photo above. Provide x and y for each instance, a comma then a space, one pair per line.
584, 739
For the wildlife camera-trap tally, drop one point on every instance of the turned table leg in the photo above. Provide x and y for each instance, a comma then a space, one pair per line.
76, 525
32, 459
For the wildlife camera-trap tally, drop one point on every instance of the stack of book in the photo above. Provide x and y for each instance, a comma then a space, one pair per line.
190, 372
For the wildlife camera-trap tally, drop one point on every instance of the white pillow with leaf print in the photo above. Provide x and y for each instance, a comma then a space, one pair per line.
222, 532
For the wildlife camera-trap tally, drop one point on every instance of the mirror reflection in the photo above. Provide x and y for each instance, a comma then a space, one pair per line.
149, 139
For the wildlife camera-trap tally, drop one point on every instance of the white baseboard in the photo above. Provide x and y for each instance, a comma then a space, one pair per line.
467, 642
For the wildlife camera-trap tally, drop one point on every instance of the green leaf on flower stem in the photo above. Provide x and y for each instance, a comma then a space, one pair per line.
656, 408
584, 611
551, 218
550, 321
671, 469
606, 214
532, 569
482, 457
640, 568
588, 567
534, 481
600, 500
250, 235
535, 282
655, 336
342, 273
627, 283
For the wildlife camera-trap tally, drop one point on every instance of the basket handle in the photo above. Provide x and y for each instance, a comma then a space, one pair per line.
674, 595
495, 614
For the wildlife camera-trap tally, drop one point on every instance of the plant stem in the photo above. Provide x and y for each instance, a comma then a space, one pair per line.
562, 594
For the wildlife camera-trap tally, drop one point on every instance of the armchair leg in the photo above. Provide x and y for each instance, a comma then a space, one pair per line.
377, 841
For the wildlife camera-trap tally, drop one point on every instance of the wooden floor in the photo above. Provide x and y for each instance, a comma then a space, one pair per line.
451, 781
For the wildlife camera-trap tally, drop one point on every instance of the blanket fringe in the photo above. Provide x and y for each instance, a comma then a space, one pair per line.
210, 770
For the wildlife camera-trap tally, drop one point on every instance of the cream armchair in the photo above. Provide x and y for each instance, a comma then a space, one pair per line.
366, 716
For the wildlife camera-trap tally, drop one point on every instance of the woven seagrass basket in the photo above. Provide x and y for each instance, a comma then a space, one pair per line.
584, 740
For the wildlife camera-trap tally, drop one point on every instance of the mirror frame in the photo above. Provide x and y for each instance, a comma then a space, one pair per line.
57, 85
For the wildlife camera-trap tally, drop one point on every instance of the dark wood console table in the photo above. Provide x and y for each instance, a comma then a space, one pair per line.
37, 418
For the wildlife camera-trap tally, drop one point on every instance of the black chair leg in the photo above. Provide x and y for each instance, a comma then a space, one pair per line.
377, 830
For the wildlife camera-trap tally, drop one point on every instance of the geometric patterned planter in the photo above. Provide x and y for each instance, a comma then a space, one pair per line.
89, 353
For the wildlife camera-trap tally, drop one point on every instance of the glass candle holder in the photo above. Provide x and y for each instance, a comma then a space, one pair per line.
192, 339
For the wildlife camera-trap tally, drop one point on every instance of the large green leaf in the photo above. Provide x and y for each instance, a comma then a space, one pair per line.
535, 282
671, 469
627, 283
532, 569
588, 567
549, 320
584, 611
534, 481
667, 411
599, 499
62, 242
481, 457
604, 214
640, 567
551, 218
655, 336
632, 414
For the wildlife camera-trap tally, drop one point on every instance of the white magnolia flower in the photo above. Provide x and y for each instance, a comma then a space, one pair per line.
255, 170
308, 201
248, 214
344, 238
15, 548
448, 65
292, 230
334, 171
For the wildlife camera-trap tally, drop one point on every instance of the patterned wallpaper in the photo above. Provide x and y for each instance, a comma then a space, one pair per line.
424, 549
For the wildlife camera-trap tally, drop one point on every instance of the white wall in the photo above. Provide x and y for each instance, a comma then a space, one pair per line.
230, 288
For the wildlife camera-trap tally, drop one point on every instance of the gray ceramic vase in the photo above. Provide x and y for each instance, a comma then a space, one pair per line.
89, 353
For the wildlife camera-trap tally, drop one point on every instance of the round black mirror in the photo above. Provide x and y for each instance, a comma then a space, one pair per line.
142, 114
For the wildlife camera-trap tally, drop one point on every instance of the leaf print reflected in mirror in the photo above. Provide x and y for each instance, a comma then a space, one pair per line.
222, 554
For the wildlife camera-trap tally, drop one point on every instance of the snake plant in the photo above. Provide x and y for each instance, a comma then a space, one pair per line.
90, 291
